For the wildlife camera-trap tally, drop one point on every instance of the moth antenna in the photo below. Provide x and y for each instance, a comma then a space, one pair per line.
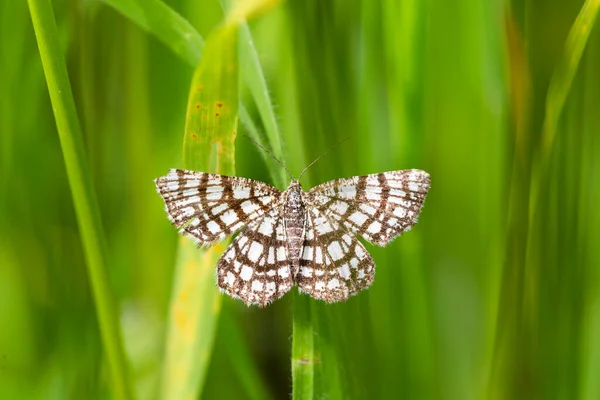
272, 156
322, 154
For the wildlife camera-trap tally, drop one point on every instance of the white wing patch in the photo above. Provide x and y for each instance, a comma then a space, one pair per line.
378, 207
249, 271
334, 265
210, 207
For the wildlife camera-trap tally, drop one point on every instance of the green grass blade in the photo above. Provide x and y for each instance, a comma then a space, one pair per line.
209, 136
194, 312
559, 88
534, 331
255, 79
156, 17
303, 349
589, 222
211, 123
541, 169
562, 80
84, 199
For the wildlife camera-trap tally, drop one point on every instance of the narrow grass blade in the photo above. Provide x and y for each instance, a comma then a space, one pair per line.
504, 340
563, 77
560, 86
169, 27
194, 312
208, 146
589, 223
255, 79
84, 199
531, 333
541, 169
303, 350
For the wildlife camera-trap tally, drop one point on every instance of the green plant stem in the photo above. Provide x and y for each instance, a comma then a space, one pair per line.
303, 350
84, 199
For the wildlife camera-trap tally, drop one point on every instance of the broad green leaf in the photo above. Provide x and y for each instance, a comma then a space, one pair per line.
193, 315
211, 122
208, 146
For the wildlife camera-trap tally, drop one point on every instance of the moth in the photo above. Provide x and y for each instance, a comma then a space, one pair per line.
294, 237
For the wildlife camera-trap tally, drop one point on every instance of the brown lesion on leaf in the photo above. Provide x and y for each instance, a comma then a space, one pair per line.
194, 136
197, 106
221, 148
219, 104
308, 361
217, 114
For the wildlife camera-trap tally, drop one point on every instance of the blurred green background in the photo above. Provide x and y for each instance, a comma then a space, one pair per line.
495, 294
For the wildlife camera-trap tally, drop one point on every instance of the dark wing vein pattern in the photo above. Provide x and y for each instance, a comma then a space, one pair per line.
334, 265
210, 207
378, 207
255, 267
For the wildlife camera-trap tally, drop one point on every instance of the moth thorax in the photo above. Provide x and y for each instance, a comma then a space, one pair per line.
293, 209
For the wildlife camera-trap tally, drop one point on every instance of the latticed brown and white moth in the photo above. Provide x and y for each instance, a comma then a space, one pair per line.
294, 237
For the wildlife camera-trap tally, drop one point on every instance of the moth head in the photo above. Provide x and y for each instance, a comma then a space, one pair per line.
294, 186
